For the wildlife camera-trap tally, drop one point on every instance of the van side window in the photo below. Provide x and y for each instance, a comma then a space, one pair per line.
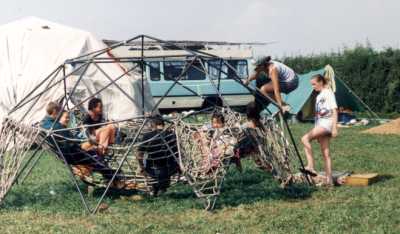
217, 68
241, 69
196, 72
154, 68
172, 69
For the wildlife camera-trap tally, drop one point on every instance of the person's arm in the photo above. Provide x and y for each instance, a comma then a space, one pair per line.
273, 74
331, 104
334, 122
252, 77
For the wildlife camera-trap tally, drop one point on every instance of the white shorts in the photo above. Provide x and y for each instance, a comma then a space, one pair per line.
327, 124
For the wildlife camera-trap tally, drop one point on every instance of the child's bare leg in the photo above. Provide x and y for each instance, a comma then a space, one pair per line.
308, 151
324, 142
112, 132
103, 137
315, 133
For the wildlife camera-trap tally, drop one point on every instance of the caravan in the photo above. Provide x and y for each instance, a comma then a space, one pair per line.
199, 83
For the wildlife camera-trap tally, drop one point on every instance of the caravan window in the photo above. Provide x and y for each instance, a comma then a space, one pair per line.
241, 68
154, 70
215, 67
172, 69
196, 72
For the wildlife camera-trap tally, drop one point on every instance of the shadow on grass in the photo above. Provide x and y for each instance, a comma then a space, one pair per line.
253, 185
40, 196
384, 178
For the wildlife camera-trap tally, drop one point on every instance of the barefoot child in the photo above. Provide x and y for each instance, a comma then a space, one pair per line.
325, 126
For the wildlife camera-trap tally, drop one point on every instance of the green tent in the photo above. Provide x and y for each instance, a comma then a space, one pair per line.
302, 99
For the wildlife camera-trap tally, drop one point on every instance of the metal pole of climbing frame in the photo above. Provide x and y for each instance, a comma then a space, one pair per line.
142, 64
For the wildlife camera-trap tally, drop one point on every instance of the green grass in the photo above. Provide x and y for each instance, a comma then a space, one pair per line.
251, 202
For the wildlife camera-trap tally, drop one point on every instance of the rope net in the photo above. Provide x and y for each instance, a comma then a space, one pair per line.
16, 141
141, 156
273, 151
206, 151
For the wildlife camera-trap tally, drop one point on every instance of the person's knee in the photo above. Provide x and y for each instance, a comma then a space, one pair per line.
86, 146
265, 90
305, 140
110, 128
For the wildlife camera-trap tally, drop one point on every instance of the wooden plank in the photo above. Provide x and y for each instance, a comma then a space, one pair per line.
361, 179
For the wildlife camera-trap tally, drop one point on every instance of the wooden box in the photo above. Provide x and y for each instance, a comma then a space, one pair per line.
361, 179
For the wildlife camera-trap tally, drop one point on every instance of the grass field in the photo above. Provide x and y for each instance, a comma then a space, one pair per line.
251, 202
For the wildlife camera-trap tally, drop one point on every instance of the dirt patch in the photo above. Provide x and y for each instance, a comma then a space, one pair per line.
392, 127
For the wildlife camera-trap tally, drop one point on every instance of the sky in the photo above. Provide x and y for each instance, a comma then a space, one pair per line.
297, 27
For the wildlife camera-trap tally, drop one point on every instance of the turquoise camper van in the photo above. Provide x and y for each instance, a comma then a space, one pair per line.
161, 74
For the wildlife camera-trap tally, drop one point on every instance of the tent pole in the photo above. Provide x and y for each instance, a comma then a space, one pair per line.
359, 99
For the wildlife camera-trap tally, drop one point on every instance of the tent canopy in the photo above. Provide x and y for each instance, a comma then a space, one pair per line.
31, 48
301, 99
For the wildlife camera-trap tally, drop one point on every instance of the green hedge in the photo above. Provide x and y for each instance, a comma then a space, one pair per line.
373, 75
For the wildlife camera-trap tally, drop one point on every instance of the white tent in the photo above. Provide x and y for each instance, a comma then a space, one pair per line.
31, 48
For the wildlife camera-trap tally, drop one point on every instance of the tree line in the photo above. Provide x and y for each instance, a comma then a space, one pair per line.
373, 75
